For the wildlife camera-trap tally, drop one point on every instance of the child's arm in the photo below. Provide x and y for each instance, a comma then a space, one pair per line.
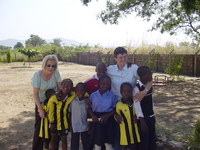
104, 118
140, 95
117, 117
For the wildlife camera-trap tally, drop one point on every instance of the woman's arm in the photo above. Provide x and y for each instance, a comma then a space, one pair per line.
140, 95
37, 102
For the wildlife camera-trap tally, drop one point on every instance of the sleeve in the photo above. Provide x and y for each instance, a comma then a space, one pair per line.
137, 105
114, 100
58, 77
36, 80
135, 67
50, 107
138, 109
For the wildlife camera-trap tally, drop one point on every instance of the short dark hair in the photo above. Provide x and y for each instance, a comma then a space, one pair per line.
119, 50
143, 70
69, 80
125, 84
81, 84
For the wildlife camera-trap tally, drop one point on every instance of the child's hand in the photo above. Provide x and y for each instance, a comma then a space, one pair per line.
94, 118
104, 119
118, 118
144, 127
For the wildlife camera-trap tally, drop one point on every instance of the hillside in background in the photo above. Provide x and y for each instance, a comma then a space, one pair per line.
64, 42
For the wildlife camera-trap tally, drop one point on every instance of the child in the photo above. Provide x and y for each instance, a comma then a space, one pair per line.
58, 114
102, 109
126, 117
144, 111
79, 118
92, 83
44, 125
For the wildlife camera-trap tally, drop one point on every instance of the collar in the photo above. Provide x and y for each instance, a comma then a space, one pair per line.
95, 76
140, 83
124, 68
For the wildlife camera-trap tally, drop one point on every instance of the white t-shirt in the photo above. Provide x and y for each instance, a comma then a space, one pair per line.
120, 76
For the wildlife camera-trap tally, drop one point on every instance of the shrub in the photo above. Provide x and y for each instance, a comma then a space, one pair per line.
194, 139
8, 56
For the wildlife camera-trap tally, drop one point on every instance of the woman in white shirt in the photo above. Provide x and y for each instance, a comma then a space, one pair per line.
124, 72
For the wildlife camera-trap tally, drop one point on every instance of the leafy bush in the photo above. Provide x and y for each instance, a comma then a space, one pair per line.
194, 140
174, 66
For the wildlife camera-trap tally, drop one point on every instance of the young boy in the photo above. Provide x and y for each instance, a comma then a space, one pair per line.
102, 110
144, 111
58, 106
126, 117
44, 124
92, 83
79, 122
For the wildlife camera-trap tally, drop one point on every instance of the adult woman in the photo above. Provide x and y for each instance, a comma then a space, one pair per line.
47, 78
120, 73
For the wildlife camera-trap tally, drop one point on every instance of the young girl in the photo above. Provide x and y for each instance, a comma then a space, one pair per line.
126, 117
58, 114
102, 109
79, 122
44, 124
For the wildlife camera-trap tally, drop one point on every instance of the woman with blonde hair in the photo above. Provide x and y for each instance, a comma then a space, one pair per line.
46, 78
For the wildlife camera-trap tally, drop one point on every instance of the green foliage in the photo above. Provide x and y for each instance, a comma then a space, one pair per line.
8, 56
194, 139
171, 16
174, 66
57, 42
35, 41
150, 61
18, 45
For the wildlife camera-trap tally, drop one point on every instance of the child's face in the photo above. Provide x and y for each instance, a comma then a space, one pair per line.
146, 78
126, 92
80, 92
105, 85
101, 70
66, 87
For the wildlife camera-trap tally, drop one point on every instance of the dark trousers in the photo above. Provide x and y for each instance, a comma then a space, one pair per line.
148, 139
37, 141
76, 138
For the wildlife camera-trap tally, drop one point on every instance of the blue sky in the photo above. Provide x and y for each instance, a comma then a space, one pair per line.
71, 20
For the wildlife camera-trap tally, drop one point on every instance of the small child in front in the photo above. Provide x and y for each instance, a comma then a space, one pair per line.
144, 111
44, 124
79, 122
102, 110
58, 106
126, 117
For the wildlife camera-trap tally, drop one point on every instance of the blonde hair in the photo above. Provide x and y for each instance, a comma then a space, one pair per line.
51, 58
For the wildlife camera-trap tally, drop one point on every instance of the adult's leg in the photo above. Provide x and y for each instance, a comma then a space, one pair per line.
75, 141
37, 141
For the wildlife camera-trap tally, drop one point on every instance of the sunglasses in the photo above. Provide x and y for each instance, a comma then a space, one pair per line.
52, 66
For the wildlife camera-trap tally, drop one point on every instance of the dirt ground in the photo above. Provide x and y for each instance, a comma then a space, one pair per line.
177, 106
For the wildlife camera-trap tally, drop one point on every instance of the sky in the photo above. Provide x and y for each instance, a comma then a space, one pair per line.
70, 19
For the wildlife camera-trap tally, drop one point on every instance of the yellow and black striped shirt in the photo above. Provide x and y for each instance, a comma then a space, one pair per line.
58, 111
128, 128
44, 125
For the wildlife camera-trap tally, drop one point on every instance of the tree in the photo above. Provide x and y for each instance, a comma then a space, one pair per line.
18, 45
57, 42
34, 41
172, 15
30, 52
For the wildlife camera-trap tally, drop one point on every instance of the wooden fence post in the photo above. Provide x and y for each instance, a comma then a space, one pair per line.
88, 60
133, 57
195, 63
107, 59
